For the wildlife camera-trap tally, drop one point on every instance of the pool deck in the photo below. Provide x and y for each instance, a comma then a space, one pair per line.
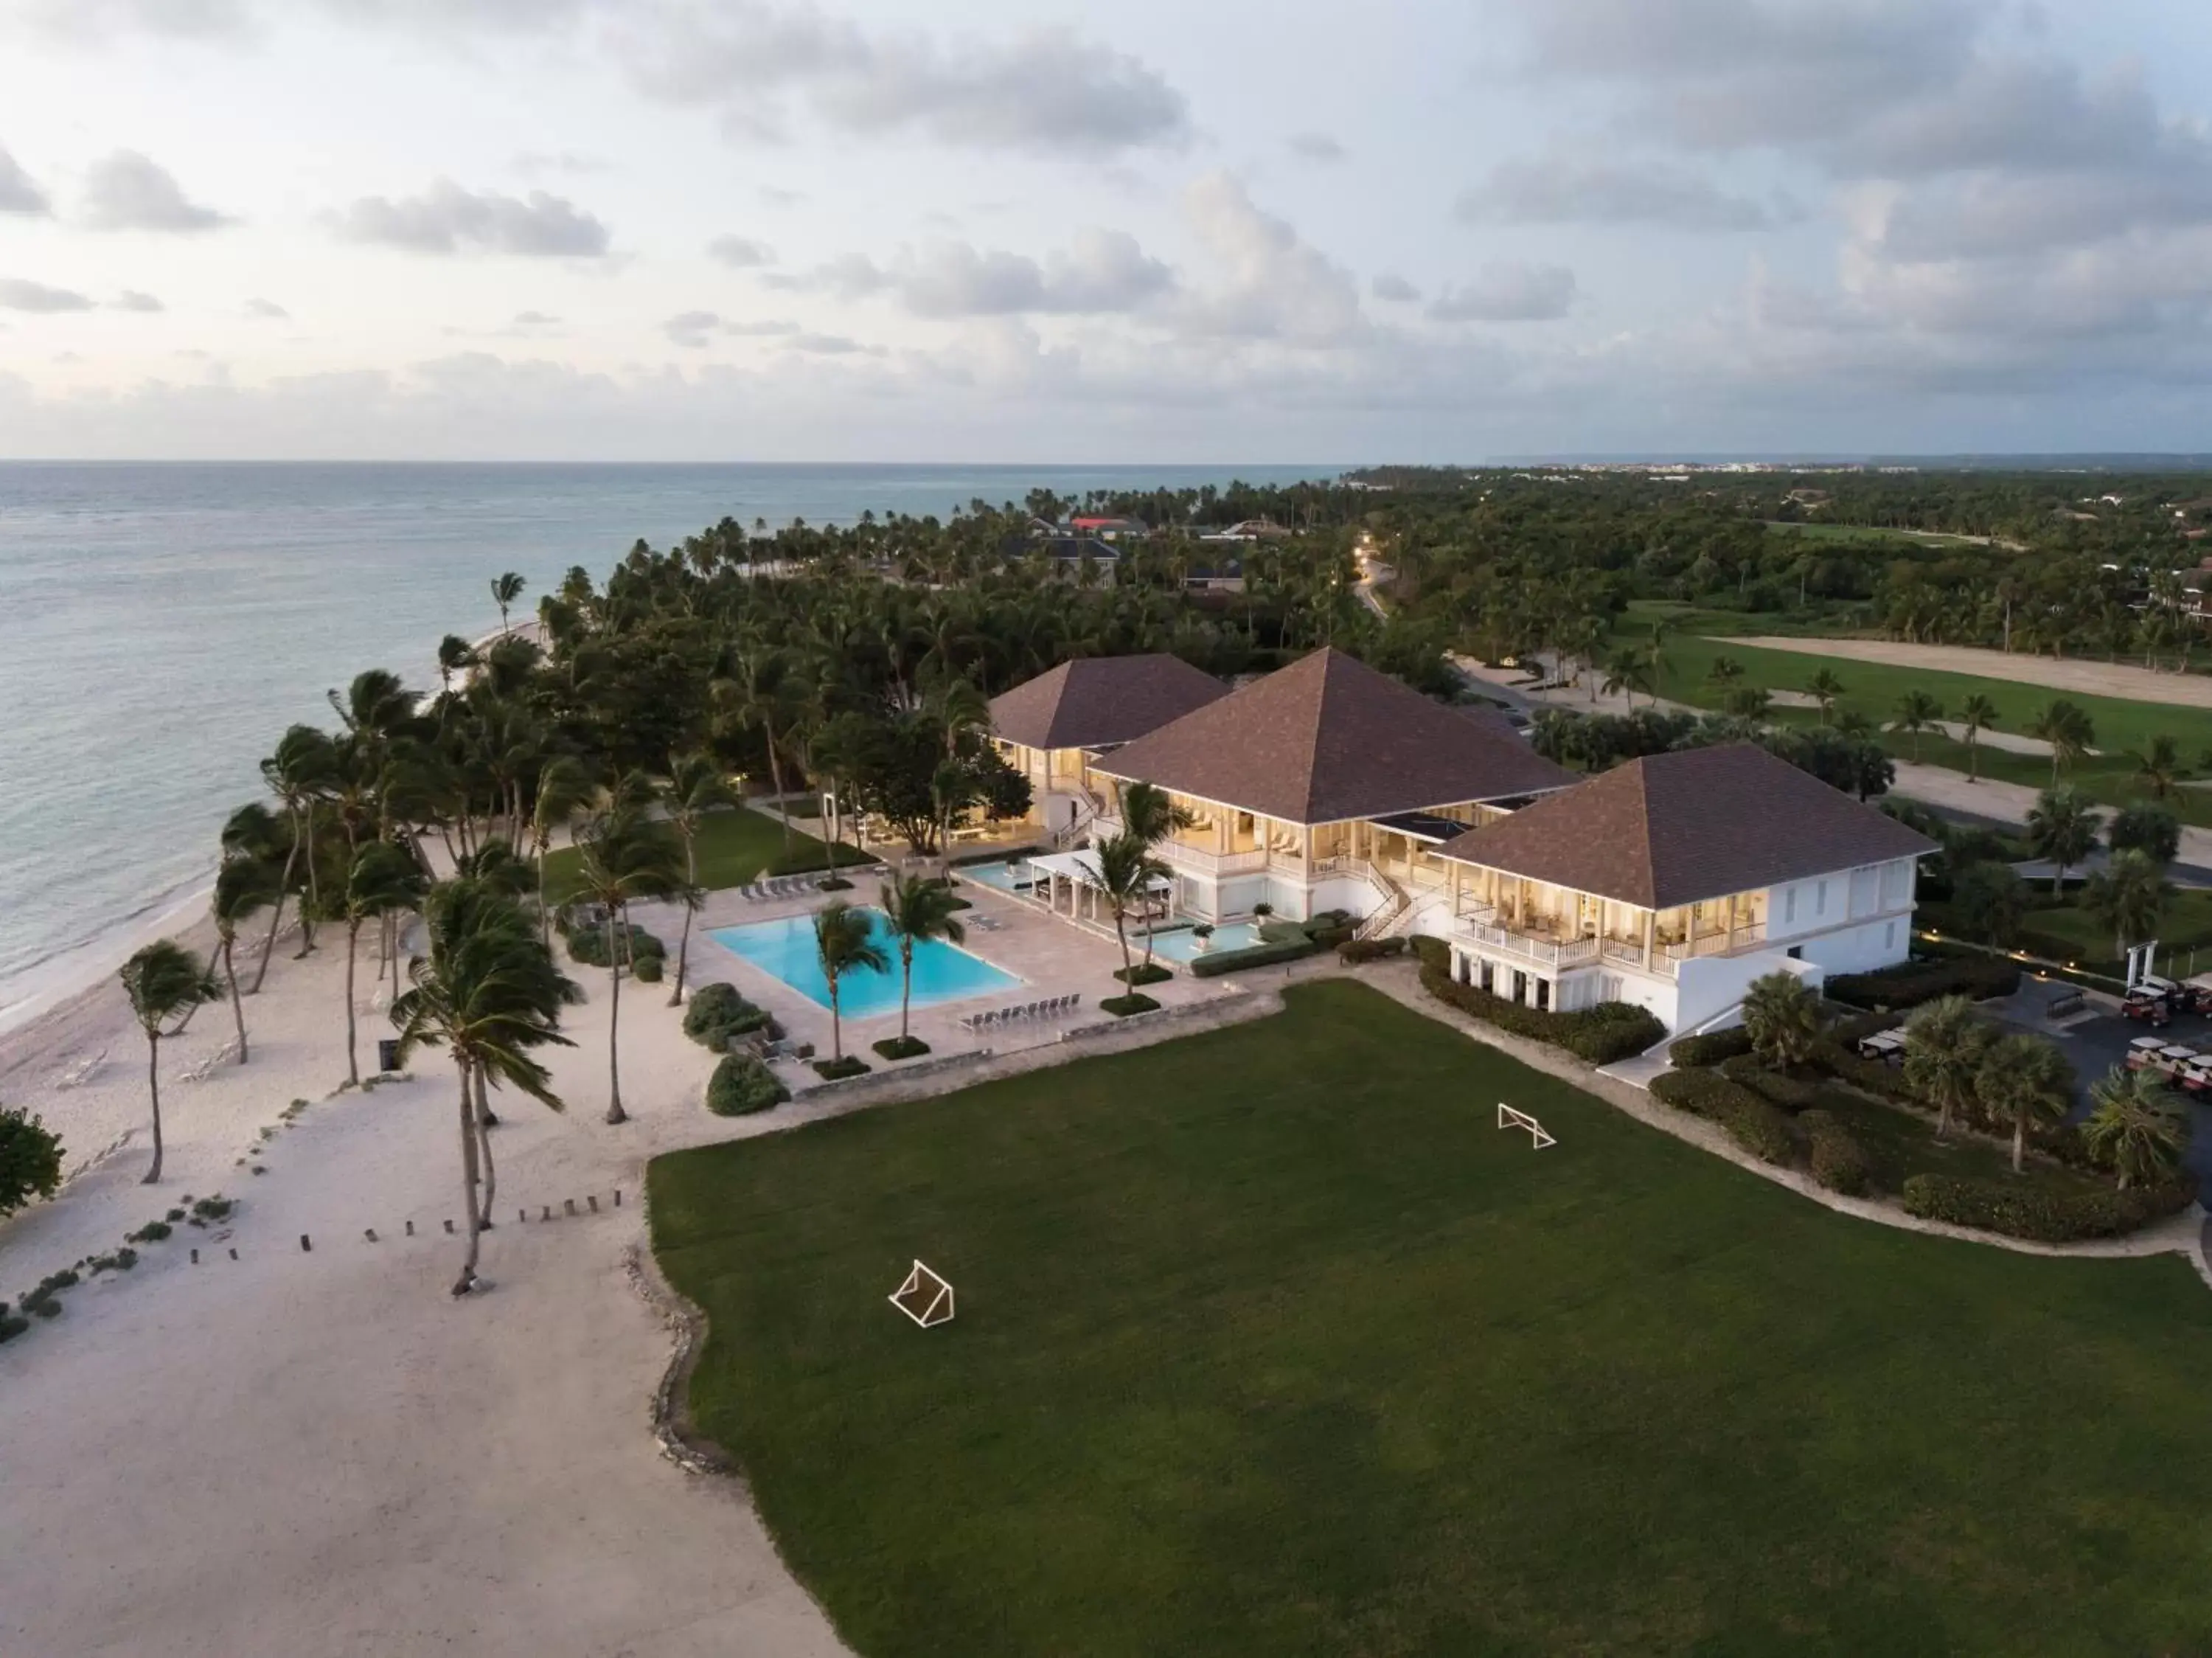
1050, 955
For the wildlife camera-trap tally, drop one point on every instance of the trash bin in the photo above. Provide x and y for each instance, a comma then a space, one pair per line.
387, 1053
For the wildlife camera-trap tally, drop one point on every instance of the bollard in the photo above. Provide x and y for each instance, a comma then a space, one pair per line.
372, 1234
306, 1248
522, 1215
449, 1227
548, 1215
196, 1258
592, 1199
568, 1205
618, 1196
234, 1254
410, 1228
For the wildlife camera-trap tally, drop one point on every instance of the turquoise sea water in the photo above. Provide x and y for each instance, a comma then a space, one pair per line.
161, 625
942, 973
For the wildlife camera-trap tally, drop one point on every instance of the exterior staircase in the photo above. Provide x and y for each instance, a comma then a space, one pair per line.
1396, 904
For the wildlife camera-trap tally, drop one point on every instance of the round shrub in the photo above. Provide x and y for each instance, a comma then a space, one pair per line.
711, 1007
648, 970
742, 1085
30, 1160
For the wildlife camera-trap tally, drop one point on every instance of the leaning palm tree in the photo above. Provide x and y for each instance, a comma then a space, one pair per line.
623, 856
254, 834
845, 942
487, 992
695, 786
382, 880
2158, 768
1915, 712
242, 887
918, 910
1977, 714
2068, 730
299, 773
2134, 1126
564, 786
2062, 828
1944, 1042
1825, 688
1149, 814
1126, 871
2128, 895
1626, 672
2022, 1078
505, 590
1782, 1019
166, 985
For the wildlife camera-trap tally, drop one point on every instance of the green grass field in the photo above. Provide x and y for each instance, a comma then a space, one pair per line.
2068, 933
1270, 1341
734, 848
1867, 534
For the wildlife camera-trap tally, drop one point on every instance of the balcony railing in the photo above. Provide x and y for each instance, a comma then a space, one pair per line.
1177, 855
1534, 947
1751, 937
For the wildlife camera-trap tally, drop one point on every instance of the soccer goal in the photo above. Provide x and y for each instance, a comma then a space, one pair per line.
924, 1297
1508, 1118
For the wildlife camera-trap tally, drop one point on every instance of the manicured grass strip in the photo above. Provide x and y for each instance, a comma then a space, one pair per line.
1270, 1342
734, 848
2069, 933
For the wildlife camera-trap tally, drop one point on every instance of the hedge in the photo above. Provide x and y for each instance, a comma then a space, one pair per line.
1354, 951
1773, 1087
588, 945
742, 1085
1710, 1048
2026, 1211
1872, 1074
836, 1070
1839, 1161
1610, 1031
717, 1014
1907, 985
1431, 951
1218, 962
1750, 1121
1144, 973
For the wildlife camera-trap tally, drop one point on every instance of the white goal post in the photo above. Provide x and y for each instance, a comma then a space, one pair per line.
924, 1297
1508, 1118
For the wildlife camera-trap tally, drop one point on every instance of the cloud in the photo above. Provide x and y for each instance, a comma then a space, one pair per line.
1388, 285
17, 193
1046, 91
1275, 285
741, 252
1101, 272
131, 300
691, 329
266, 310
447, 219
1559, 190
832, 345
18, 295
566, 163
1509, 291
1315, 147
536, 319
126, 190
779, 198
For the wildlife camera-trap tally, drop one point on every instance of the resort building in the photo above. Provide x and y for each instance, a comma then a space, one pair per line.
1052, 728
1327, 785
1674, 882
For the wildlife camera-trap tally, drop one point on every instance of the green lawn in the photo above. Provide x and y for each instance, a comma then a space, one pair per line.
1901, 1143
2067, 932
734, 848
1269, 1342
1869, 535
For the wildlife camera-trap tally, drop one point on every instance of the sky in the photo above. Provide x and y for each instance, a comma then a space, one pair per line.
998, 230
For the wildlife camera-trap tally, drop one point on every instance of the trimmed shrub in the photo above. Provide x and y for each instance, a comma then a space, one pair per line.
152, 1232
587, 946
11, 1327
710, 1007
1773, 1087
1610, 1031
1855, 1027
1282, 932
742, 1085
1333, 937
2018, 1210
1354, 951
1710, 1048
1838, 1160
213, 1209
1145, 974
30, 1160
1748, 1120
1214, 964
836, 1070
901, 1047
648, 970
1885, 1081
1431, 951
834, 884
1123, 1006
1977, 977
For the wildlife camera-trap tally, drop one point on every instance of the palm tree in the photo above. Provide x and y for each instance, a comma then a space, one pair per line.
1916, 712
254, 834
1977, 714
299, 773
695, 786
917, 909
2024, 1077
242, 886
166, 985
455, 653
1149, 814
621, 856
755, 696
1944, 1042
1782, 1019
564, 786
505, 590
2068, 730
2128, 895
1724, 672
382, 879
2062, 828
1626, 672
2158, 768
845, 942
487, 992
1825, 688
2134, 1125
1126, 871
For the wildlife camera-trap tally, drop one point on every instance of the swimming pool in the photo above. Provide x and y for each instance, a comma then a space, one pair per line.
785, 950
1181, 945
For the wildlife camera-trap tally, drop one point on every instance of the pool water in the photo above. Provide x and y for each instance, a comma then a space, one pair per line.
1180, 945
785, 950
997, 874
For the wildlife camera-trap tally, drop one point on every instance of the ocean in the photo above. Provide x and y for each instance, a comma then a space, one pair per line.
161, 625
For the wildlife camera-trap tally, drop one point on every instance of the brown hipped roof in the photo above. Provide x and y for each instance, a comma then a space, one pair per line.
1678, 828
1330, 738
1093, 702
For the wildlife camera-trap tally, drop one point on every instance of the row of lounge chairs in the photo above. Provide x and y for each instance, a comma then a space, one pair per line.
764, 891
1046, 1009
